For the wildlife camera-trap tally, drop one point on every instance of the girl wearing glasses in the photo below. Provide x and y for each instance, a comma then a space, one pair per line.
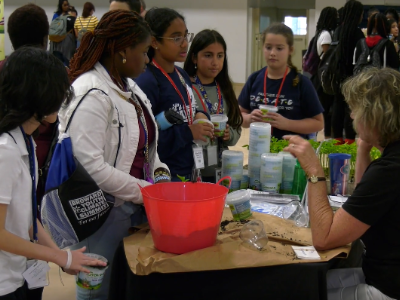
169, 88
207, 65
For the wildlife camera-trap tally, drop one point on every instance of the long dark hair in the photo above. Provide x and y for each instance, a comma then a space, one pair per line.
59, 6
23, 96
159, 20
379, 22
327, 20
201, 41
282, 29
116, 31
87, 9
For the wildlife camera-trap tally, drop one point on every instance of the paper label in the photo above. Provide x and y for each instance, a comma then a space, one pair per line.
212, 155
36, 274
307, 252
198, 157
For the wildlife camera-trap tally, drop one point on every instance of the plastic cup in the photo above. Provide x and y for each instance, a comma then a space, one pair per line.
289, 163
299, 181
92, 280
244, 184
200, 142
266, 109
253, 235
239, 204
339, 165
271, 172
219, 122
232, 166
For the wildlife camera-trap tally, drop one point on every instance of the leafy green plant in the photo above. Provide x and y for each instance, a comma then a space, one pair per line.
182, 178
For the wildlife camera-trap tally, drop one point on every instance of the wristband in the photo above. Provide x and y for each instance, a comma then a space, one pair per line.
163, 177
162, 121
69, 259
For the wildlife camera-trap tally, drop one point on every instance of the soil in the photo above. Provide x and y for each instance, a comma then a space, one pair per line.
225, 223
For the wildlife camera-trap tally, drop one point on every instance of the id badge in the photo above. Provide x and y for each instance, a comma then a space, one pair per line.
198, 157
36, 274
212, 155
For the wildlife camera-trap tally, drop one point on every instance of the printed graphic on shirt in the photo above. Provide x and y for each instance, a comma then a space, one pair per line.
283, 102
90, 207
180, 109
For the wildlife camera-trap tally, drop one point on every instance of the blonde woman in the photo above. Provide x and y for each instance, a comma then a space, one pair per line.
372, 212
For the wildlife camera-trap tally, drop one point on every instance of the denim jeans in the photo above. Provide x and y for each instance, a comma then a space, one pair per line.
105, 242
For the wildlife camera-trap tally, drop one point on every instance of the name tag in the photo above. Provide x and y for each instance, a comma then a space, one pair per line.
36, 274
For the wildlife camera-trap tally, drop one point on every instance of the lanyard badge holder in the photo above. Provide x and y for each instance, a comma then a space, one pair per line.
36, 274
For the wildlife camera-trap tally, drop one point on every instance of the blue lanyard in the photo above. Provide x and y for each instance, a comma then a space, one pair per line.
220, 109
31, 152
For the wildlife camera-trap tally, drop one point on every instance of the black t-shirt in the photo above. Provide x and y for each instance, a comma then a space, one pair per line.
295, 102
376, 202
70, 23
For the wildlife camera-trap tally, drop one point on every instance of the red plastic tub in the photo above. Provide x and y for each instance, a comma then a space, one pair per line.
184, 216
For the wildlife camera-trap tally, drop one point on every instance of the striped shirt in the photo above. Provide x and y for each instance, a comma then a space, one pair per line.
89, 23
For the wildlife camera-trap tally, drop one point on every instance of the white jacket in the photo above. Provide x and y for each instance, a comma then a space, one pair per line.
94, 134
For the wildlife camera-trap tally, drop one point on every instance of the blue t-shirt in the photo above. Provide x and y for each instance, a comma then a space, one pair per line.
174, 143
295, 102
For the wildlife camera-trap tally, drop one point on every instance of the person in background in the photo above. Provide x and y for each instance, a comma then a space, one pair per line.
372, 10
86, 22
143, 10
170, 88
326, 26
348, 34
132, 5
207, 65
281, 85
26, 101
72, 11
113, 132
391, 13
62, 9
370, 213
378, 29
394, 33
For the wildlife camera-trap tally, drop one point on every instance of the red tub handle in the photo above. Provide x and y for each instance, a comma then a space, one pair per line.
224, 178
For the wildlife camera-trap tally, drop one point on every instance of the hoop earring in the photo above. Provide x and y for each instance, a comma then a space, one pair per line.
124, 60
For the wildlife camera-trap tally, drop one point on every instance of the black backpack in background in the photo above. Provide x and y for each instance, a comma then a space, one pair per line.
331, 70
370, 58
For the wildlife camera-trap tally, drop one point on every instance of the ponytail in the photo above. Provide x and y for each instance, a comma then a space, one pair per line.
296, 79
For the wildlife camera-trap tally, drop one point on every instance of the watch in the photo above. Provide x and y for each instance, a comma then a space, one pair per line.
315, 179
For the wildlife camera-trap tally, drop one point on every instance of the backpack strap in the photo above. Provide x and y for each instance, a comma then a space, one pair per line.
378, 47
119, 122
88, 23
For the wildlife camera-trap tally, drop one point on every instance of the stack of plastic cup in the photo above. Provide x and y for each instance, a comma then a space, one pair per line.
289, 163
232, 166
244, 184
260, 141
271, 172
299, 181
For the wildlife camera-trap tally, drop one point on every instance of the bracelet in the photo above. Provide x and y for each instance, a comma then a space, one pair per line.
161, 172
69, 259
162, 177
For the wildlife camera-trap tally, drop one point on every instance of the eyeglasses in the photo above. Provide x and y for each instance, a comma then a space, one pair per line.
179, 39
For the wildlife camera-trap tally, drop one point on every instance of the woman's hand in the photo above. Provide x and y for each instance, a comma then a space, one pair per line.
79, 261
227, 133
278, 121
201, 130
363, 147
305, 153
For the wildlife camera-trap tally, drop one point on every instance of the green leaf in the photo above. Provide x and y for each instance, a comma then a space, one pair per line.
182, 178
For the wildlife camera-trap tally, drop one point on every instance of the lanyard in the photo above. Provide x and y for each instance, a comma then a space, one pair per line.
31, 152
280, 88
189, 118
220, 109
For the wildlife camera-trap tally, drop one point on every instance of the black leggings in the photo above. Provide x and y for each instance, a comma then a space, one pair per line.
326, 102
341, 119
23, 293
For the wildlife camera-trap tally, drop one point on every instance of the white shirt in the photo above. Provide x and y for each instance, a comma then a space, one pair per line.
324, 38
15, 191
94, 134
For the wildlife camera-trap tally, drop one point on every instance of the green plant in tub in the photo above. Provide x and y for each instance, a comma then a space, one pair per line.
182, 178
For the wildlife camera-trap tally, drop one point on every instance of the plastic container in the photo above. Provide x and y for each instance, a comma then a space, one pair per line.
299, 181
92, 280
184, 216
232, 166
244, 184
200, 142
239, 204
266, 109
271, 172
339, 165
289, 163
219, 122
254, 182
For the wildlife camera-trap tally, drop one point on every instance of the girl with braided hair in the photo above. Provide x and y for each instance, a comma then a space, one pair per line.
282, 86
113, 131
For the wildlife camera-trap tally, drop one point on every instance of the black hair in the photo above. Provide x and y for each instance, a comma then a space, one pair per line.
373, 10
59, 10
23, 96
327, 20
72, 9
134, 5
380, 24
286, 31
201, 41
394, 13
352, 13
159, 20
28, 25
341, 15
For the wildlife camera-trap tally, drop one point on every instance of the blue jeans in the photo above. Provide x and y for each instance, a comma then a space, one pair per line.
105, 242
